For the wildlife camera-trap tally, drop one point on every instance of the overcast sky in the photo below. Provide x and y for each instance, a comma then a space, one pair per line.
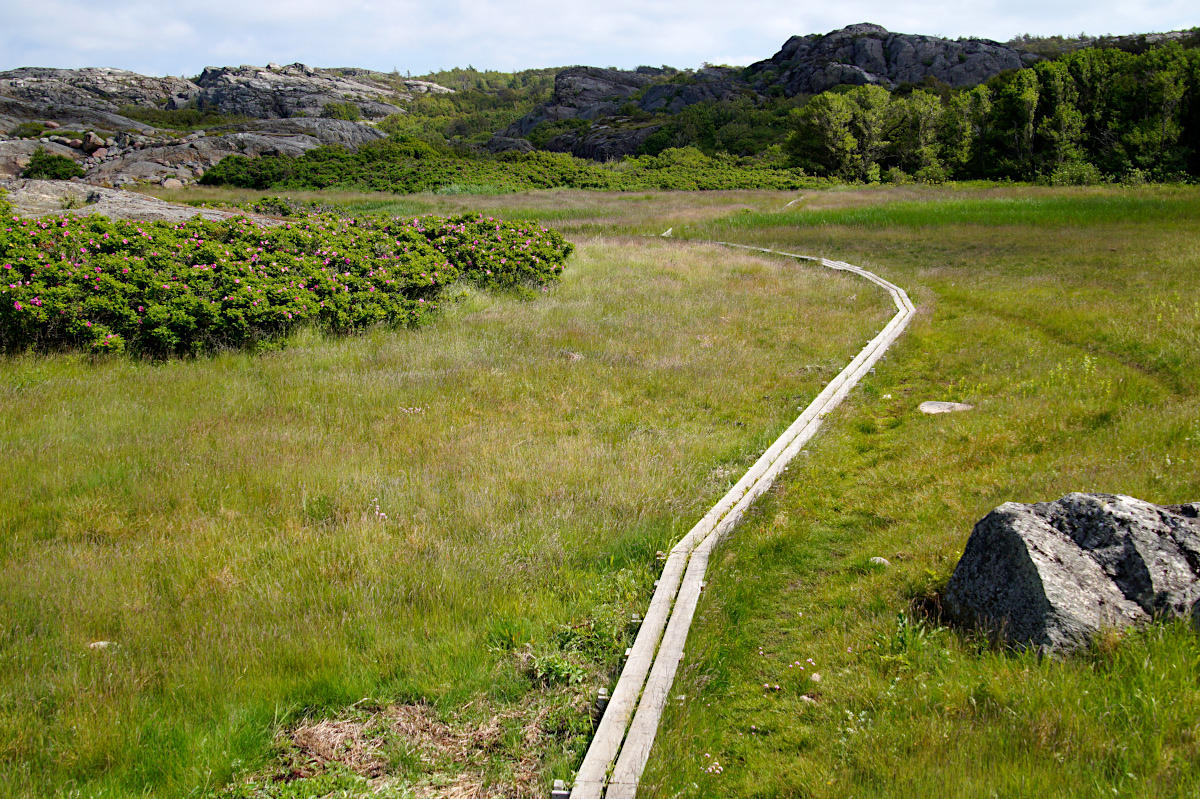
181, 37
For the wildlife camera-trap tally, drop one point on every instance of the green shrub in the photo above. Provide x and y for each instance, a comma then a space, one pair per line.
1078, 173
178, 118
48, 166
407, 165
347, 111
161, 289
28, 130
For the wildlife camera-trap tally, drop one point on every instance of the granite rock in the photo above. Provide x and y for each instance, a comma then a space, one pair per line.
1052, 574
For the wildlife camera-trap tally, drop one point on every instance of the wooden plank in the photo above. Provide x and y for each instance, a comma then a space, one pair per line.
646, 679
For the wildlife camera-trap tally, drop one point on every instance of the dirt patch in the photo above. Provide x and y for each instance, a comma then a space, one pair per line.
478, 752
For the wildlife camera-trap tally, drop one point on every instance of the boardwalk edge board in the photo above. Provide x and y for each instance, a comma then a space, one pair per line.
627, 729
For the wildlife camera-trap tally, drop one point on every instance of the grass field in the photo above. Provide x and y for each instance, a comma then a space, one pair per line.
1072, 322
221, 520
461, 516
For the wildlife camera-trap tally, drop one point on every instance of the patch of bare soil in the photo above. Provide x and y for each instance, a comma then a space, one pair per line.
477, 753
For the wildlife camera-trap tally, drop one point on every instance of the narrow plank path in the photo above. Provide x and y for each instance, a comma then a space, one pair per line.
613, 765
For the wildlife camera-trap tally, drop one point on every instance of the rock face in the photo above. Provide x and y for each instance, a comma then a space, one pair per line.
601, 143
1052, 574
298, 90
286, 103
583, 93
870, 54
95, 88
189, 157
709, 83
35, 198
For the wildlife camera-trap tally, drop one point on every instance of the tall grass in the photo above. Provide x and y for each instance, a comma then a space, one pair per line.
1070, 322
266, 538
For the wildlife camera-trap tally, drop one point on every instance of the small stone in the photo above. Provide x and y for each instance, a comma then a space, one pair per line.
100, 153
808, 700
878, 561
172, 183
815, 676
101, 644
51, 125
932, 407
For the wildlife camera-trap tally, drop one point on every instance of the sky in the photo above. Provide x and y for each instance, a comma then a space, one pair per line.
181, 37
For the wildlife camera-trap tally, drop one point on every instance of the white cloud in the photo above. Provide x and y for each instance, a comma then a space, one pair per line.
184, 36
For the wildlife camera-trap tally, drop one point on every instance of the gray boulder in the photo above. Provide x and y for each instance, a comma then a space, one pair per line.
1052, 574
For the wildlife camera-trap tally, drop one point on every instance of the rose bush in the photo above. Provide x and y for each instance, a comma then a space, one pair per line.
165, 289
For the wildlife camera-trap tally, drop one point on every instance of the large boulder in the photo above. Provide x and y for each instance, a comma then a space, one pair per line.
1052, 574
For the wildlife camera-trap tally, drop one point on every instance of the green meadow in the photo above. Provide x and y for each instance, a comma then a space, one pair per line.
400, 563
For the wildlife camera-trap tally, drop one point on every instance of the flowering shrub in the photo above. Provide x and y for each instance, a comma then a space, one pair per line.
170, 289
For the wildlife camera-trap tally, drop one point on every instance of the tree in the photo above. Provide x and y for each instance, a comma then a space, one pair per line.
821, 140
871, 123
917, 122
1015, 116
1061, 126
966, 123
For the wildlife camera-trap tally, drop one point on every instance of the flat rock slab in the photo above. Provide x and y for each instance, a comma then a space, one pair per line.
934, 406
37, 198
1052, 574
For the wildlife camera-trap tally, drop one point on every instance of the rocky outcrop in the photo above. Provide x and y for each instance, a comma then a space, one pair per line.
507, 144
583, 93
188, 158
15, 155
35, 198
135, 158
93, 88
298, 90
710, 83
870, 54
1053, 574
601, 143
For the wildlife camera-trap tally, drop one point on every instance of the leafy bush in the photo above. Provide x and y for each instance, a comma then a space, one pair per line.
347, 111
1079, 173
163, 289
28, 130
48, 166
406, 165
179, 118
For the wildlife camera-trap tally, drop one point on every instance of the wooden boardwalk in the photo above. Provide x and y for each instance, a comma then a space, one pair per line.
621, 746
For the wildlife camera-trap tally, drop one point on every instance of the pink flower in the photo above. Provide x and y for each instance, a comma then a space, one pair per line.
17, 305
